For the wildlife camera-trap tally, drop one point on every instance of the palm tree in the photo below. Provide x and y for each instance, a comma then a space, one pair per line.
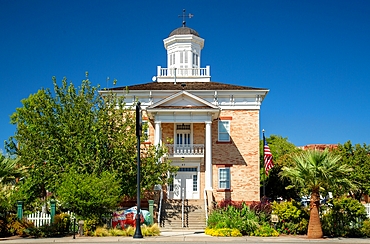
316, 171
9, 170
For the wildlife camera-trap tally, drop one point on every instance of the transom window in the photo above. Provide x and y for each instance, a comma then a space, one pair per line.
188, 169
183, 127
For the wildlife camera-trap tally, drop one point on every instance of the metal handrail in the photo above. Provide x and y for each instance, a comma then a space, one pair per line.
206, 205
182, 207
160, 207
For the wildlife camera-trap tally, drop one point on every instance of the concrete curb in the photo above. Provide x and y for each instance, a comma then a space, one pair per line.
184, 236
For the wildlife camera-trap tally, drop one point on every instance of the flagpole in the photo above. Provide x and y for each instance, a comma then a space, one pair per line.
264, 180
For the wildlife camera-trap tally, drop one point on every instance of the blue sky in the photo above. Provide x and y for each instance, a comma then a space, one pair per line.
314, 56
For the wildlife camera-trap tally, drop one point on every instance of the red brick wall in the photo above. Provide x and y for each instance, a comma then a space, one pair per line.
242, 154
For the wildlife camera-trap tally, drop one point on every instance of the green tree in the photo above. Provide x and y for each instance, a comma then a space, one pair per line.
314, 172
358, 157
89, 195
76, 130
281, 150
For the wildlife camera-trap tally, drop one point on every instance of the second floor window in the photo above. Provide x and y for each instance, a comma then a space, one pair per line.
224, 130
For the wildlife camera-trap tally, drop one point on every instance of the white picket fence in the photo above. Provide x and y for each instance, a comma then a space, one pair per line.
367, 206
39, 218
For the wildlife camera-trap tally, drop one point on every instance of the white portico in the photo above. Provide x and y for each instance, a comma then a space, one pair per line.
183, 111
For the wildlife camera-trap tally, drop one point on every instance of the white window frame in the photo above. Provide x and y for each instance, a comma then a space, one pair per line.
181, 57
195, 60
227, 180
220, 123
186, 57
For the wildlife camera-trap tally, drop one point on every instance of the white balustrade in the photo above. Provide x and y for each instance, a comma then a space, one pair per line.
185, 149
183, 72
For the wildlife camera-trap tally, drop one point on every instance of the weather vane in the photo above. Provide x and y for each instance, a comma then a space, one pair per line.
184, 15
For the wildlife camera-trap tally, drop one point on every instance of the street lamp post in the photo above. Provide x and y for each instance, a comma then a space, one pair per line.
138, 233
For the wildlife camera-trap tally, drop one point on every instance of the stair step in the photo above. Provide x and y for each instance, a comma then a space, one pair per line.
194, 214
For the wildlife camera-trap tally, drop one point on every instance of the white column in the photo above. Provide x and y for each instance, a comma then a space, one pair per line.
208, 156
157, 136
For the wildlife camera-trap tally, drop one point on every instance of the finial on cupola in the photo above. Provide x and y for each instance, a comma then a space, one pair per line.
185, 16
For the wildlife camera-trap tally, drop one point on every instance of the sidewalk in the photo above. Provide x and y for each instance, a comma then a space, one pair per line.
183, 236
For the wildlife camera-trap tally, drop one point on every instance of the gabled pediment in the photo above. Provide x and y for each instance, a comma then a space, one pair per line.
183, 99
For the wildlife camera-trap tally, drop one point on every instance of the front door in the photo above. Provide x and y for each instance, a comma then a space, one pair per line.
185, 184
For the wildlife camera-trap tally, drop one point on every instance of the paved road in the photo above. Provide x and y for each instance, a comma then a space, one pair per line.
195, 237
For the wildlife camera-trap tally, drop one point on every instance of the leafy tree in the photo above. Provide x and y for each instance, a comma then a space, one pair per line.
76, 130
314, 172
358, 157
281, 150
89, 194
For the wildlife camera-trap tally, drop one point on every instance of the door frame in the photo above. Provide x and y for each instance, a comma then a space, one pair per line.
186, 164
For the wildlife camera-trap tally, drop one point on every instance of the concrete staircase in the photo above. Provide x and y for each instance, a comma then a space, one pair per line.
194, 215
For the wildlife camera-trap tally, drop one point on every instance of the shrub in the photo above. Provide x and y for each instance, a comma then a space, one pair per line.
100, 231
226, 203
293, 219
233, 218
3, 227
345, 218
62, 222
262, 210
18, 227
117, 232
265, 230
130, 231
90, 226
223, 232
365, 230
150, 230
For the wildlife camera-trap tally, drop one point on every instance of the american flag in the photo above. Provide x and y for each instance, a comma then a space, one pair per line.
267, 157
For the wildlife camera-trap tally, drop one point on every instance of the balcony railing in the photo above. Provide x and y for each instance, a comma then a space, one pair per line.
183, 72
185, 150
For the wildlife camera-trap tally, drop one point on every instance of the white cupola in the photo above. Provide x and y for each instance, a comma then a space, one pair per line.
183, 47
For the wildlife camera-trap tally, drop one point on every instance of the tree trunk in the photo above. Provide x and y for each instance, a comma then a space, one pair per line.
314, 225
